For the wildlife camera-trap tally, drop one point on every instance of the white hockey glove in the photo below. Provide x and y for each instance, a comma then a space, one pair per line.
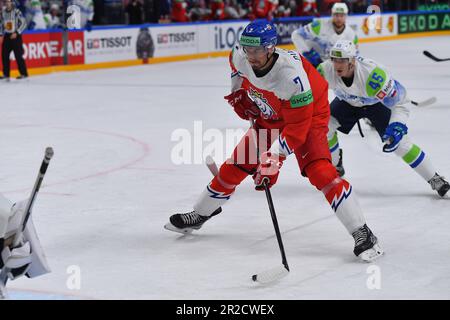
17, 260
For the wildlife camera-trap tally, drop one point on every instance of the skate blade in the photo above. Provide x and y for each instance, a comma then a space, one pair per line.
445, 193
171, 227
371, 254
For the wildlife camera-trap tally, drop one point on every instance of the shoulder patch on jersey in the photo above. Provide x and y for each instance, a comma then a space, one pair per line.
302, 99
375, 82
316, 25
320, 69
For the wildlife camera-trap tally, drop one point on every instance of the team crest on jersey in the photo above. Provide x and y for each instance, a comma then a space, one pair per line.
262, 104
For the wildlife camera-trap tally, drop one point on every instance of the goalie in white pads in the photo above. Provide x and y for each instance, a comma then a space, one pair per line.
28, 258
365, 89
315, 40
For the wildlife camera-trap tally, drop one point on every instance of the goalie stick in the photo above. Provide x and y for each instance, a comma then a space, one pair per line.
433, 57
18, 236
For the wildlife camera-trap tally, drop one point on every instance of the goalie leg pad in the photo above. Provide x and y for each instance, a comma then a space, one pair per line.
39, 265
5, 214
34, 262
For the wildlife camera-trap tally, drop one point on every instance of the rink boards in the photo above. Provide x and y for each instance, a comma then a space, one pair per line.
120, 46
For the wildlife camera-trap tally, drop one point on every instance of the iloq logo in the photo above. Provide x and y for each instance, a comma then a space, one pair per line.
175, 37
111, 42
226, 37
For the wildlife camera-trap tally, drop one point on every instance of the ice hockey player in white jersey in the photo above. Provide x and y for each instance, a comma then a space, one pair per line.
365, 89
315, 40
52, 19
28, 257
35, 16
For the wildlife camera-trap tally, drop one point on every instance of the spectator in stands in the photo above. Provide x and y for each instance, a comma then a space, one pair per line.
179, 11
134, 12
217, 10
52, 19
359, 6
164, 10
283, 9
149, 8
235, 9
199, 12
263, 9
309, 8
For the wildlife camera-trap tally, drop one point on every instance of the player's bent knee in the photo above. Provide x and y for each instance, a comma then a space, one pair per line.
321, 173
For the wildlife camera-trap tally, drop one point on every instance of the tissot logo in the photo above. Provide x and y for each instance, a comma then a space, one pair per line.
165, 38
111, 42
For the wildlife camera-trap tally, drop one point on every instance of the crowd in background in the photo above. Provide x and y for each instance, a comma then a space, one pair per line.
48, 14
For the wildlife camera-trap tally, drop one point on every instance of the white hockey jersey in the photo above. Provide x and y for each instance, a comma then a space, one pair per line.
288, 66
372, 84
320, 35
35, 15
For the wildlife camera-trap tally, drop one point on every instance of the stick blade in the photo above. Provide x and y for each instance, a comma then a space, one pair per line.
429, 55
433, 57
271, 275
427, 102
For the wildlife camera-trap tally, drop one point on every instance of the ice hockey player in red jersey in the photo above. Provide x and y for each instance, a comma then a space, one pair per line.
288, 98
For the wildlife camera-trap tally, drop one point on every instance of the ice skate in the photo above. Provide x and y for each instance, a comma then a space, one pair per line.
185, 223
439, 184
366, 245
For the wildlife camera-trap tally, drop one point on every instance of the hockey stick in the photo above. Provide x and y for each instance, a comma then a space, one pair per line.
433, 57
211, 164
424, 103
18, 236
278, 272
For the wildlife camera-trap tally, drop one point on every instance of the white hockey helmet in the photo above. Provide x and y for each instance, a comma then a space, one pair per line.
343, 49
339, 7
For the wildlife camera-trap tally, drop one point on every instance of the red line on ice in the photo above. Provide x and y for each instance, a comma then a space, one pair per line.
145, 150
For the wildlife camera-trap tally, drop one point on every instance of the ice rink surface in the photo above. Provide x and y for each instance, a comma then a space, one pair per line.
112, 185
